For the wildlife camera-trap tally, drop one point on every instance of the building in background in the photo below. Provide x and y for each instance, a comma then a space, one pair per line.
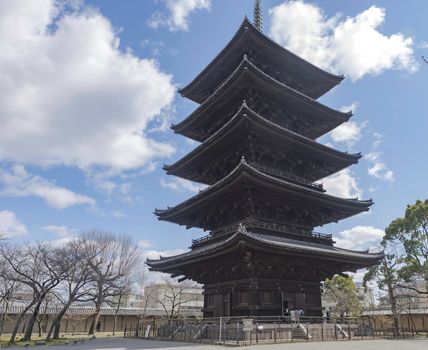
408, 299
175, 299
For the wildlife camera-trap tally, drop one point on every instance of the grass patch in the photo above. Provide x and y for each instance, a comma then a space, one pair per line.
4, 341
65, 338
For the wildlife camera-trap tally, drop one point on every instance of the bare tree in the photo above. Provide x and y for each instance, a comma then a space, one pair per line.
110, 269
150, 296
133, 284
7, 290
173, 295
41, 317
75, 287
123, 290
37, 266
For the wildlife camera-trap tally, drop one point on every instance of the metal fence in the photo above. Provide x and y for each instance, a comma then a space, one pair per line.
264, 330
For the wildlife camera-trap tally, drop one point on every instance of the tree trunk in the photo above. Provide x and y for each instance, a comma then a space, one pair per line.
32, 320
116, 313
396, 321
3, 316
56, 323
18, 323
57, 329
96, 317
39, 325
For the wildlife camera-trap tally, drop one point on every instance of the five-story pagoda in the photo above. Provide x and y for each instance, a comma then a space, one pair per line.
257, 122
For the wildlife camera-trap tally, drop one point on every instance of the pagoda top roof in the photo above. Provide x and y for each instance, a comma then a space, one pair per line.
273, 243
246, 174
249, 39
192, 126
279, 136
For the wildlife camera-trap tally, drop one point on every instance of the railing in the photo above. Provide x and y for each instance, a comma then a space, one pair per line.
254, 223
275, 329
287, 177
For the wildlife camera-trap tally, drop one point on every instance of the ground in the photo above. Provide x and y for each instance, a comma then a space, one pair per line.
137, 344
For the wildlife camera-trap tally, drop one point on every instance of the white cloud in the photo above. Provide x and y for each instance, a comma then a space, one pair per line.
156, 254
342, 184
19, 183
378, 168
145, 244
60, 242
359, 238
10, 226
351, 108
104, 182
377, 140
352, 46
177, 18
61, 231
70, 96
156, 48
349, 132
119, 214
179, 185
423, 45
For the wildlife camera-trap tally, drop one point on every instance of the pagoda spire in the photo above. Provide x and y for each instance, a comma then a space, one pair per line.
258, 20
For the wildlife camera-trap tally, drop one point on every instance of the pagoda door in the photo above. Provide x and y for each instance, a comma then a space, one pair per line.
300, 301
226, 304
218, 305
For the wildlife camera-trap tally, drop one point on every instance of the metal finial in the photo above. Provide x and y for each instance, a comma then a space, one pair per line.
258, 21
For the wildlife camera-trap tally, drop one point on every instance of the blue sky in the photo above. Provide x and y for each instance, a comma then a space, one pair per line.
89, 92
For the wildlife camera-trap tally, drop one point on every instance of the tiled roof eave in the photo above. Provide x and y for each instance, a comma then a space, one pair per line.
246, 24
348, 159
221, 184
361, 257
342, 116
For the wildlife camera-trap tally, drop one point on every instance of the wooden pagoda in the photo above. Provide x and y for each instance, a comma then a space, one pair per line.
257, 122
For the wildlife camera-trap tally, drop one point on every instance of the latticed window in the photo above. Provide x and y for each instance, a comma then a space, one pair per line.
244, 298
209, 300
266, 297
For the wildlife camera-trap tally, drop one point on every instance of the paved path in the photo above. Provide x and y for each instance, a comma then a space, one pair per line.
137, 344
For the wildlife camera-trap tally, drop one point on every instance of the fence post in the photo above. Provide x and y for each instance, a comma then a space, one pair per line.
124, 333
322, 331
237, 333
291, 328
349, 331
335, 331
423, 325
426, 329
307, 331
220, 329
274, 332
